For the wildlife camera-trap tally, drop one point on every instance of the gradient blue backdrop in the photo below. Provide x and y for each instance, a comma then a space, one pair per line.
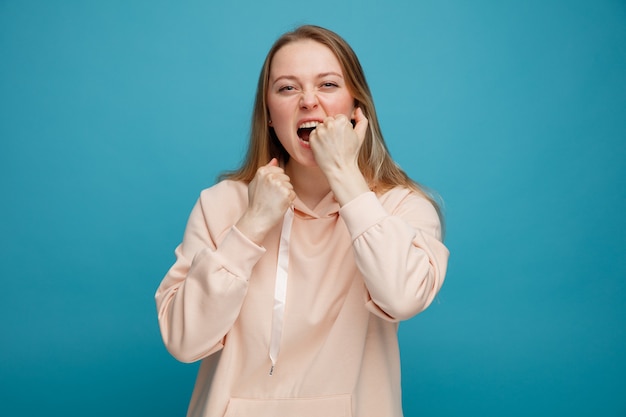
115, 114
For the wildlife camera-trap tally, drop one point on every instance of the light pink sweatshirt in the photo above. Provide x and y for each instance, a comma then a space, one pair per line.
317, 307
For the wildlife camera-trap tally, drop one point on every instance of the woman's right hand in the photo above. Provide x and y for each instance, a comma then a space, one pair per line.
270, 193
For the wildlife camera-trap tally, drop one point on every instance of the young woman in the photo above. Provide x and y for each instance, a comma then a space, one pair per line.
295, 269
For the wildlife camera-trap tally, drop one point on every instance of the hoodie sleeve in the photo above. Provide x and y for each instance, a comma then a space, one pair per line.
201, 295
398, 250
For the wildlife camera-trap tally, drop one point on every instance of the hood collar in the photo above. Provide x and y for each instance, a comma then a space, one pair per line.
327, 207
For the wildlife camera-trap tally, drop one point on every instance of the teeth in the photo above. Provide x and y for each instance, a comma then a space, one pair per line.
308, 125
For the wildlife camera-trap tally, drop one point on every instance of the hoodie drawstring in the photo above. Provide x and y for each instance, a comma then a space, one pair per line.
280, 288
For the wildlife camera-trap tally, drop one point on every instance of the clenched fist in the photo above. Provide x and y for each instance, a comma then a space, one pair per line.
270, 193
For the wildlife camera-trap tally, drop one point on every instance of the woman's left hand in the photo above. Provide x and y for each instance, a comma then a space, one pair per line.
336, 145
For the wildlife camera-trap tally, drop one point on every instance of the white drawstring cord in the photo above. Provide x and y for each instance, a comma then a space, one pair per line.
280, 288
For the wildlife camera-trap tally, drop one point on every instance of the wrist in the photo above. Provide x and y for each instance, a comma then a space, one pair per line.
347, 184
251, 228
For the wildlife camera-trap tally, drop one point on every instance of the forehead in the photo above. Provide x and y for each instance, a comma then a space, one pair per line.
303, 57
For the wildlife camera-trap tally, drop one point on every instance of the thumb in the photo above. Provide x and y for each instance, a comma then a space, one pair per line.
273, 162
361, 123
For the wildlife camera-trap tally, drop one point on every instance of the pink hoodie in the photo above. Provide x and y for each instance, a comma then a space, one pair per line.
306, 324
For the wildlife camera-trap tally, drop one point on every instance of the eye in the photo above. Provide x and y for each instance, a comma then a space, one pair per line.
286, 88
329, 84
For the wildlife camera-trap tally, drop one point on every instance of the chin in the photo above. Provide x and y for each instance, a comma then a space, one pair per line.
306, 161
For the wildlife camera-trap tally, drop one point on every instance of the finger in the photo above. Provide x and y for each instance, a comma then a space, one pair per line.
281, 178
361, 123
272, 167
341, 118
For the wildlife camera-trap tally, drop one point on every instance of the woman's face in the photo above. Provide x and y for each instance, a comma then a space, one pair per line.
306, 85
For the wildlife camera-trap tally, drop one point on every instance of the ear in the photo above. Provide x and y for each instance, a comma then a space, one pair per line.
354, 107
354, 114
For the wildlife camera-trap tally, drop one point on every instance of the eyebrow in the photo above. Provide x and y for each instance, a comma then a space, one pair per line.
293, 77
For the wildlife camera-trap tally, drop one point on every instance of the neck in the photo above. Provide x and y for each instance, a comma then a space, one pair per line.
309, 183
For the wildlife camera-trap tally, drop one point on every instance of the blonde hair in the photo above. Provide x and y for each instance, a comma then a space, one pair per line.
379, 169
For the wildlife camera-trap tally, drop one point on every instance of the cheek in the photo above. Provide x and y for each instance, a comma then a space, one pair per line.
281, 120
284, 139
279, 112
340, 105
272, 106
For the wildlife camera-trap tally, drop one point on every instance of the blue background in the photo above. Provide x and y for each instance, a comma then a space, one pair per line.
115, 114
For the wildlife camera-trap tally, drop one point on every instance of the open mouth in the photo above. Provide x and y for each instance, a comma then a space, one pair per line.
305, 129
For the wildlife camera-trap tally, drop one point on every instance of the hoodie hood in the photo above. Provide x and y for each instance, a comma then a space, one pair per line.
327, 207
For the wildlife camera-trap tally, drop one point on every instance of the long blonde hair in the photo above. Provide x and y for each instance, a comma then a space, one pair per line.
379, 169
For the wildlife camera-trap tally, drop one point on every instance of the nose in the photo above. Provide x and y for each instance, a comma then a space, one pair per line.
308, 100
